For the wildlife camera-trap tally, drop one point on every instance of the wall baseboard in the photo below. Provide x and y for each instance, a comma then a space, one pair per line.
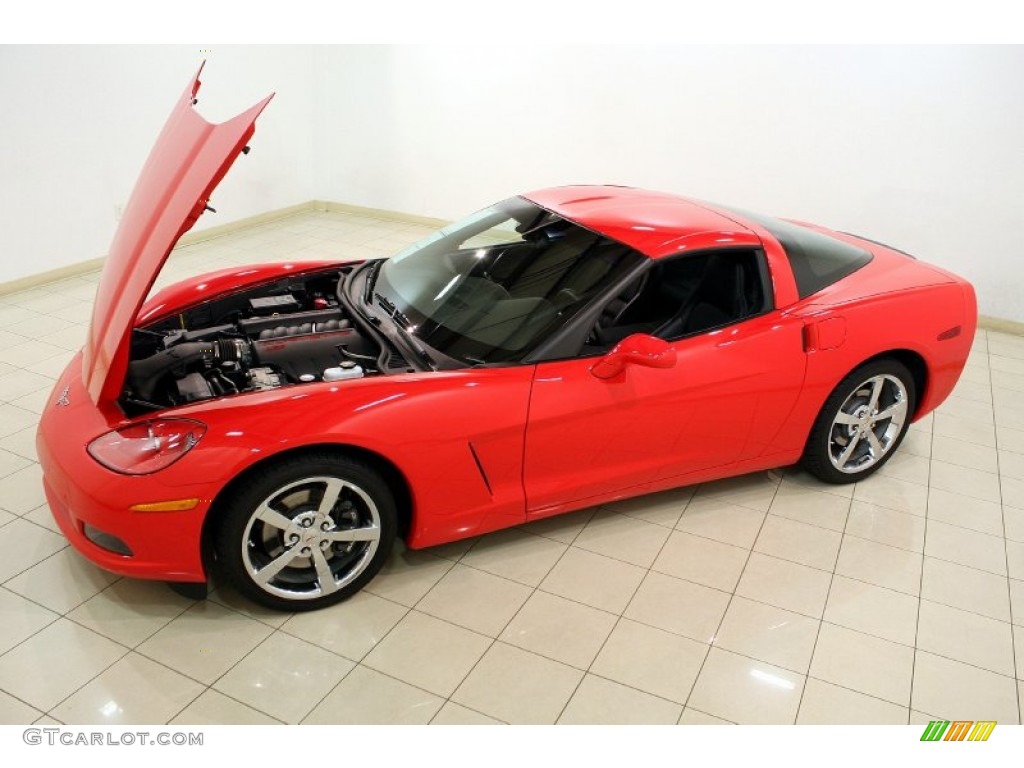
190, 238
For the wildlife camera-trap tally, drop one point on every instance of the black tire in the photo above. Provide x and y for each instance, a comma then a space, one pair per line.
846, 418
294, 520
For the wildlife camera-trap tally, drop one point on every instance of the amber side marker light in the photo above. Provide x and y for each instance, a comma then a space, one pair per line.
950, 333
178, 505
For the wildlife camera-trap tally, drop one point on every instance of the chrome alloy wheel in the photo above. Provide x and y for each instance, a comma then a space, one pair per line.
868, 424
311, 537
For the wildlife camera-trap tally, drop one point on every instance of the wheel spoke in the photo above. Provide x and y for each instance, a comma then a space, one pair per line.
876, 447
368, 533
895, 410
848, 451
272, 517
846, 418
267, 573
332, 490
324, 575
876, 392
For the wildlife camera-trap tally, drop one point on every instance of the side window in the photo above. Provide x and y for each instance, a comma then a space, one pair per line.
684, 296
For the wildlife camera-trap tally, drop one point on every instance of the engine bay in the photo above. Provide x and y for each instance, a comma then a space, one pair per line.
289, 332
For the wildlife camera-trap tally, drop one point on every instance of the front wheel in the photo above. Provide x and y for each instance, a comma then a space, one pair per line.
862, 423
307, 533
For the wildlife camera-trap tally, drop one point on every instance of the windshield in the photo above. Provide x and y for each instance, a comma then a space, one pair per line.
493, 286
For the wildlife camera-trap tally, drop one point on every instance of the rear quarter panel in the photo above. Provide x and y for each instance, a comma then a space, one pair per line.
893, 305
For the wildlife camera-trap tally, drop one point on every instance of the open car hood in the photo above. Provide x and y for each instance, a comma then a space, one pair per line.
187, 163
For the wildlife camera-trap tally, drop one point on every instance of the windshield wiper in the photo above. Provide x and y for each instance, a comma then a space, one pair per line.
371, 280
402, 324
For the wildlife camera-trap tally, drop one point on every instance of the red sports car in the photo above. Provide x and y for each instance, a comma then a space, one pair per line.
557, 350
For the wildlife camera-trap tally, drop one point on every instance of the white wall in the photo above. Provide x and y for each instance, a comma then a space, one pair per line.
79, 121
919, 147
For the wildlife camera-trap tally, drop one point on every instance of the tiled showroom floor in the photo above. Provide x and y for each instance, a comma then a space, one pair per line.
769, 598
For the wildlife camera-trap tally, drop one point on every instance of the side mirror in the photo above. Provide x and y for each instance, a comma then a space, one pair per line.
638, 349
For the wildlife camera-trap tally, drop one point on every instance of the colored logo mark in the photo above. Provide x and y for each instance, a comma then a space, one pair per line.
958, 730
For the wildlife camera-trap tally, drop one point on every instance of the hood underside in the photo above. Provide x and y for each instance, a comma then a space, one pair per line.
186, 164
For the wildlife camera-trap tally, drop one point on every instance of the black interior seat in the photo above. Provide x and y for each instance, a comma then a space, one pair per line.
721, 297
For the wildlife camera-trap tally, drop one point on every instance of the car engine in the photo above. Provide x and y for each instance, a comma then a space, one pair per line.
290, 332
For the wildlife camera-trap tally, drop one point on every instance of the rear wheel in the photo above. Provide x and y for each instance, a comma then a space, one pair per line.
862, 423
308, 532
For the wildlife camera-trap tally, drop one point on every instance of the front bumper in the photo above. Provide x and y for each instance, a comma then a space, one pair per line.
85, 496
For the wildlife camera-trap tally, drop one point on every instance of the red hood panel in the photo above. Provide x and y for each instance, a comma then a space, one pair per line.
188, 161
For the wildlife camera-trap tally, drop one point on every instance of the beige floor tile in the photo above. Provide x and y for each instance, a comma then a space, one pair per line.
352, 628
651, 660
284, 677
226, 595
11, 462
880, 564
701, 560
559, 629
785, 584
518, 687
965, 512
1013, 523
22, 491
23, 545
746, 691
967, 637
1010, 464
42, 517
454, 550
1010, 365
715, 518
678, 606
807, 505
964, 454
798, 479
71, 656
801, 543
968, 430
515, 555
662, 508
602, 702
595, 580
408, 575
623, 537
131, 610
14, 419
1017, 599
907, 467
827, 704
1009, 439
872, 610
20, 619
22, 443
961, 692
134, 691
976, 483
886, 526
428, 653
967, 409
892, 493
205, 641
917, 442
768, 634
6, 517
213, 708
1012, 491
456, 714
692, 716
564, 528
1015, 559
863, 663
14, 712
62, 581
966, 547
21, 381
966, 588
755, 491
366, 697
474, 599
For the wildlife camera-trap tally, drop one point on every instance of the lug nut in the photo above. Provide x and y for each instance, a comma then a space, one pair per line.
306, 550
307, 522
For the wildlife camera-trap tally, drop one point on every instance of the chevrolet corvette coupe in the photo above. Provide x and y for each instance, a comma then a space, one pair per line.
567, 347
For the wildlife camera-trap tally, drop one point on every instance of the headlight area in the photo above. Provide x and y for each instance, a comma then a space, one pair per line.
146, 446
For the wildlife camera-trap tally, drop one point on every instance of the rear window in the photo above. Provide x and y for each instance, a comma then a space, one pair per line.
817, 260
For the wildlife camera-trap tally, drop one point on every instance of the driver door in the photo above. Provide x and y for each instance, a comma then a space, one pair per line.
724, 399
